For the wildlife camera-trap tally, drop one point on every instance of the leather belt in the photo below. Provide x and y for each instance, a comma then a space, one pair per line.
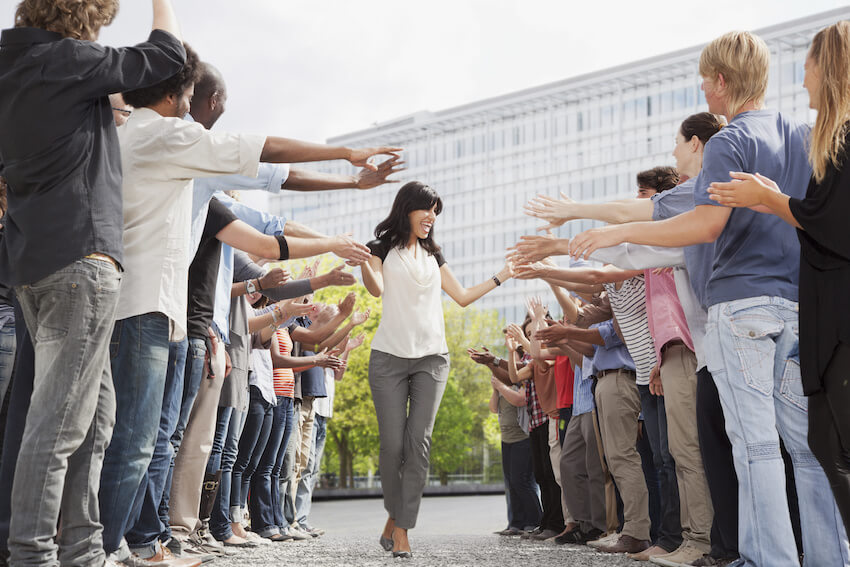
103, 258
603, 373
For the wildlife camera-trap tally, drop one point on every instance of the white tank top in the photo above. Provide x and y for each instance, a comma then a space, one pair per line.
412, 323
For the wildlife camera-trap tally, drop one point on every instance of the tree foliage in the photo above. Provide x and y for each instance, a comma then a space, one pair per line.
460, 425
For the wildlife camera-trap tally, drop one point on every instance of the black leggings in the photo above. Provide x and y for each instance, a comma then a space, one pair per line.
829, 428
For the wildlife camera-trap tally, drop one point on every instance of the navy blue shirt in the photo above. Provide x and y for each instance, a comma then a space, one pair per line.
59, 146
312, 379
756, 254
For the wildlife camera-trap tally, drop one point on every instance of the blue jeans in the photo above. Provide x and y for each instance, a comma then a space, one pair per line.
19, 404
193, 373
669, 527
70, 315
147, 527
252, 444
304, 495
7, 356
220, 519
751, 347
266, 506
139, 353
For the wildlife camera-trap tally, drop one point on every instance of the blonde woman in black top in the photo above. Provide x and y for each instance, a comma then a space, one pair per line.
821, 221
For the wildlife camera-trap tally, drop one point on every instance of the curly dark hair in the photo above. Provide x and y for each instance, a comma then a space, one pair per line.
77, 19
659, 178
188, 75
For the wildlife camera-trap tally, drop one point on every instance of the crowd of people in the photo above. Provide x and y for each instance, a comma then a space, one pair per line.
163, 389
166, 394
688, 407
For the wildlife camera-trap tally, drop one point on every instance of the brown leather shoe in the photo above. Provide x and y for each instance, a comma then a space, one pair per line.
626, 544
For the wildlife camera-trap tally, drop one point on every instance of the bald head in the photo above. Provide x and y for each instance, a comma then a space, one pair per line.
210, 96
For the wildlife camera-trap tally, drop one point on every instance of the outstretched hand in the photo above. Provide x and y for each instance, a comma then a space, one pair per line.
359, 157
532, 248
586, 243
349, 249
555, 212
368, 178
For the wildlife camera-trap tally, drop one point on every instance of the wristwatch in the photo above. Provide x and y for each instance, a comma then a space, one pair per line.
250, 287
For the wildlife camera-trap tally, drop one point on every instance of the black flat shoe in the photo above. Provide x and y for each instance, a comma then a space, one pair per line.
386, 543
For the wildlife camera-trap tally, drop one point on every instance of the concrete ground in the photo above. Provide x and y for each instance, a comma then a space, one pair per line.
450, 531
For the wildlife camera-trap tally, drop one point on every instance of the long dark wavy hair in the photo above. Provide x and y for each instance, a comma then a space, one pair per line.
413, 196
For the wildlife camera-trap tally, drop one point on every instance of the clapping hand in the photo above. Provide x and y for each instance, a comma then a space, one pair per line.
481, 357
355, 342
360, 317
346, 306
536, 309
553, 333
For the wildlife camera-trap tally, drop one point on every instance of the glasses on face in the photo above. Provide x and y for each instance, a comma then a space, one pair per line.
123, 111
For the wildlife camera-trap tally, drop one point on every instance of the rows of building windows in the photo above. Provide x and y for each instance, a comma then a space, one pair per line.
486, 162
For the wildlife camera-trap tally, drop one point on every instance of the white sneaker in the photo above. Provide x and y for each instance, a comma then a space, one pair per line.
605, 540
296, 534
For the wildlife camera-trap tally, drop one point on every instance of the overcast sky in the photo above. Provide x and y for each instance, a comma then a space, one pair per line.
312, 69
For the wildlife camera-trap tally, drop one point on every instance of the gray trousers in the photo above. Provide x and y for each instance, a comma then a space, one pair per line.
406, 432
70, 315
581, 473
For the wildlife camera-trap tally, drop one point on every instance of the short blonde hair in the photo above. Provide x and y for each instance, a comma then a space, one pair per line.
77, 19
830, 51
743, 59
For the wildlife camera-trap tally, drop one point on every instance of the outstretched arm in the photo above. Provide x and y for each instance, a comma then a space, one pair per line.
463, 296
703, 224
558, 211
286, 150
307, 180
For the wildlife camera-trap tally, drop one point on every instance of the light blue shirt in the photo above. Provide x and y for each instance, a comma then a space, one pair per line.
260, 220
613, 355
756, 254
582, 393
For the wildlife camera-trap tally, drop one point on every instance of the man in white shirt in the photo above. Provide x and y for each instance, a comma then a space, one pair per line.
161, 154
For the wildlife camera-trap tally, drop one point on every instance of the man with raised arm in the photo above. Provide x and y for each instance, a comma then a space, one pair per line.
62, 251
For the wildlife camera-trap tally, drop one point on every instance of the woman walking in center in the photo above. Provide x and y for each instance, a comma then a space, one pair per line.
409, 361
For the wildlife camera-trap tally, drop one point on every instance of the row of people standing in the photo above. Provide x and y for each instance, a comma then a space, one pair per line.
742, 276
115, 257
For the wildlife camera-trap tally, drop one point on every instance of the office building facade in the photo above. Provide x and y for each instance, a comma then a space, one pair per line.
587, 136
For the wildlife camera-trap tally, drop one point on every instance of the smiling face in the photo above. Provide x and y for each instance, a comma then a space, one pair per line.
422, 221
687, 155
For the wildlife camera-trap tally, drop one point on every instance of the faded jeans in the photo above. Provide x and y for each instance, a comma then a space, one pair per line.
751, 349
7, 356
70, 315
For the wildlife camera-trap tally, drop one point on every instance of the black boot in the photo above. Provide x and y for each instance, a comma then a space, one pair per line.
208, 494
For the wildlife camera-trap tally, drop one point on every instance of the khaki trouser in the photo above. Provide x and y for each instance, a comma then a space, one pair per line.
555, 458
303, 437
618, 404
612, 522
190, 464
679, 380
